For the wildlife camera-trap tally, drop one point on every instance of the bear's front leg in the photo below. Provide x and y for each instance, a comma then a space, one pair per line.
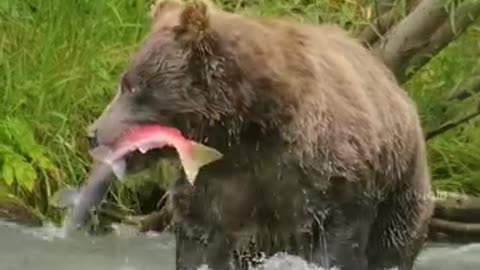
196, 247
206, 217
340, 226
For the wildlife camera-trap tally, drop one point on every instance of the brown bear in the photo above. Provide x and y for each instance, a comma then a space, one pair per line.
324, 155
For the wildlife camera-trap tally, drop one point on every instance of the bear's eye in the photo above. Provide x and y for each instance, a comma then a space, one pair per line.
130, 90
127, 87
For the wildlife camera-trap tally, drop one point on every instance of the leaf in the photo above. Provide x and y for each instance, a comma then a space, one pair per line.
45, 163
3, 191
25, 175
8, 173
5, 150
21, 136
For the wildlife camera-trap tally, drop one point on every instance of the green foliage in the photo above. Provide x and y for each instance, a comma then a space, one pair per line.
454, 156
344, 13
25, 166
20, 155
60, 60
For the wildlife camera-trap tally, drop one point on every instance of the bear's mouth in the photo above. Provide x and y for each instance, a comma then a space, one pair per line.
141, 153
137, 161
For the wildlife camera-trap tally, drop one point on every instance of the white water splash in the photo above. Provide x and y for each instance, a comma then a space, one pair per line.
283, 261
46, 248
48, 232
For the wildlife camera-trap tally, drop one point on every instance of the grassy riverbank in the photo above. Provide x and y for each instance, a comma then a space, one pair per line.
59, 61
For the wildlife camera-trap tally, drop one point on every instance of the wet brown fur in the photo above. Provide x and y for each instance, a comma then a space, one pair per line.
324, 153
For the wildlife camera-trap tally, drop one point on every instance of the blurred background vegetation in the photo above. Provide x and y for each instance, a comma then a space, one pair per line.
59, 62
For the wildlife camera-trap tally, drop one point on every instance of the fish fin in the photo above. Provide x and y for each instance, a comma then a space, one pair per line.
65, 197
118, 168
204, 154
201, 156
100, 153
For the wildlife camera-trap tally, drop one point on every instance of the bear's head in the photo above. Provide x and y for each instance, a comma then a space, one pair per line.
182, 76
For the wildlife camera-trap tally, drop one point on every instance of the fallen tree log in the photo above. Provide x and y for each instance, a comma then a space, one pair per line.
465, 15
387, 16
453, 232
376, 29
410, 35
457, 207
455, 227
157, 221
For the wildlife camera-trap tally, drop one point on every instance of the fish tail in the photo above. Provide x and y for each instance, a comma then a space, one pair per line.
201, 155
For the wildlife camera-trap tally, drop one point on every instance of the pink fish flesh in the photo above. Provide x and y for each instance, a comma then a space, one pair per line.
192, 155
110, 161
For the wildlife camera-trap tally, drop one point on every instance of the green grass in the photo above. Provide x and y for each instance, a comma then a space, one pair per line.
454, 156
59, 62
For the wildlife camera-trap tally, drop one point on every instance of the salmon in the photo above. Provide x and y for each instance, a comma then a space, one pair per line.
192, 155
110, 163
81, 201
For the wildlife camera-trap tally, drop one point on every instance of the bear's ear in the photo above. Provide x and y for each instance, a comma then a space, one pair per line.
161, 7
194, 31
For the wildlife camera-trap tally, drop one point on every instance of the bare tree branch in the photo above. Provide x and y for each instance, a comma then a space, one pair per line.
448, 126
465, 15
386, 16
466, 89
377, 28
411, 35
383, 6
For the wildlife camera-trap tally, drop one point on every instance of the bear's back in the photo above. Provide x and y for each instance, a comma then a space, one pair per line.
340, 98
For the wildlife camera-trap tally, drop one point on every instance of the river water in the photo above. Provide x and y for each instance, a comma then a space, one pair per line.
45, 248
